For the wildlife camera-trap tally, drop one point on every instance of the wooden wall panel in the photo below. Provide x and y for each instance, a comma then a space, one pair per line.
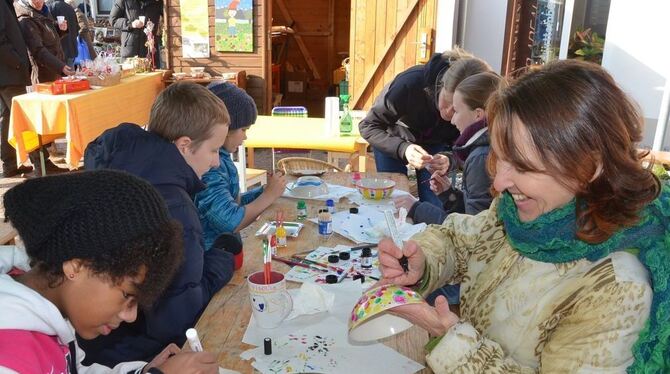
377, 57
254, 63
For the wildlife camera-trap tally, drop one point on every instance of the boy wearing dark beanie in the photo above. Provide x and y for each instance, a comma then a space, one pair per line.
223, 210
187, 126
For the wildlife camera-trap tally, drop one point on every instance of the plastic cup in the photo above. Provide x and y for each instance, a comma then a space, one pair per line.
142, 18
60, 19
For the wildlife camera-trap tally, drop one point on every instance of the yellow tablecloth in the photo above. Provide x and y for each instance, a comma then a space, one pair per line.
302, 133
80, 116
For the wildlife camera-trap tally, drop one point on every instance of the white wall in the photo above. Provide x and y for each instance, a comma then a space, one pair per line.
483, 29
637, 55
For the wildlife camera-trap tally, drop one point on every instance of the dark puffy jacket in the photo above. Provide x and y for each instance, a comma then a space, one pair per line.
43, 40
128, 147
14, 63
122, 16
476, 193
69, 42
405, 112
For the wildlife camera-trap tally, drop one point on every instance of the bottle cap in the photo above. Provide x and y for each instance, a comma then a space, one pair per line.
333, 259
366, 252
331, 278
301, 204
330, 202
353, 210
344, 256
267, 346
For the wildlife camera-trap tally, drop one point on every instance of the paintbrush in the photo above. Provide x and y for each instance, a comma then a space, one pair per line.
395, 236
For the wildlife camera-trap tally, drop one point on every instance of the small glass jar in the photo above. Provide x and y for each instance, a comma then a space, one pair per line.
301, 210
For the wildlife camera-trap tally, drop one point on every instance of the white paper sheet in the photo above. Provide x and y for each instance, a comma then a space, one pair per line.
324, 348
346, 296
335, 192
320, 254
369, 225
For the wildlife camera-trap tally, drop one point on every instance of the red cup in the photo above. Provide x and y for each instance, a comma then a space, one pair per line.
239, 259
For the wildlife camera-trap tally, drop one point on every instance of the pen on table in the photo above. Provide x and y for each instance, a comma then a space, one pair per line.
359, 247
315, 263
193, 340
292, 262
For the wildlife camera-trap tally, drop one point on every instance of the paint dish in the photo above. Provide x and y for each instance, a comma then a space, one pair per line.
308, 187
375, 188
370, 319
269, 228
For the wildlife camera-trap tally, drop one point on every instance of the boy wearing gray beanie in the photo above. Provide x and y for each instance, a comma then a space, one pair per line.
222, 209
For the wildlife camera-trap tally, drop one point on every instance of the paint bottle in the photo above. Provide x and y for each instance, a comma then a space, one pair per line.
330, 204
355, 177
302, 210
366, 258
325, 222
281, 236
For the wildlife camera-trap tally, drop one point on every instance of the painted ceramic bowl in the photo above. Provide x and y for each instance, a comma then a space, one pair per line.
375, 188
370, 319
308, 187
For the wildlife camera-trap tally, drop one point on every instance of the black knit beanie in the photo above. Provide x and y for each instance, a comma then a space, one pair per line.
240, 105
78, 214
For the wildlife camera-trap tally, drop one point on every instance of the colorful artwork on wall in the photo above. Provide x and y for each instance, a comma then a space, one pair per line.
194, 29
234, 26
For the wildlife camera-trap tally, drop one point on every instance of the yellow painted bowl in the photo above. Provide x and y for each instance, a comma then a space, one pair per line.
375, 188
370, 319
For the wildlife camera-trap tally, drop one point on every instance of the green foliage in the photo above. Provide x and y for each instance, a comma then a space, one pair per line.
587, 45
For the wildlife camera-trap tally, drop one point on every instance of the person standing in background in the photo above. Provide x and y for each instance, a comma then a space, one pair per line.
86, 25
125, 16
42, 37
14, 77
69, 42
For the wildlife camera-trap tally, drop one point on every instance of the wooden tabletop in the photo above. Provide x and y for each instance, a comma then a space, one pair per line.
222, 325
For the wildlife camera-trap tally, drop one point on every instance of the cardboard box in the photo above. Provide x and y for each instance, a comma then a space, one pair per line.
61, 87
296, 84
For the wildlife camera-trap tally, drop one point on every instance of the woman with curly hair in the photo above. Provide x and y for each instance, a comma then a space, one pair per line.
568, 270
98, 245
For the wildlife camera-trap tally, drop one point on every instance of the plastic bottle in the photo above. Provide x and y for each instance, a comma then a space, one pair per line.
355, 177
345, 120
302, 210
325, 224
281, 236
330, 205
366, 258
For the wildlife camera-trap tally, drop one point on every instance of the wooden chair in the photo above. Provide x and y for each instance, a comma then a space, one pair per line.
248, 176
291, 165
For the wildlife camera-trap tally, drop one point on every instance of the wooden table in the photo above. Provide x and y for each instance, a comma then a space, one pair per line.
82, 116
224, 321
302, 133
7, 233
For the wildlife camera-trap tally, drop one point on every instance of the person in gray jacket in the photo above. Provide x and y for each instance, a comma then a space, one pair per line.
14, 77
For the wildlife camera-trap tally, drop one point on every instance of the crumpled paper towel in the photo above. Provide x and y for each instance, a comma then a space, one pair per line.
311, 299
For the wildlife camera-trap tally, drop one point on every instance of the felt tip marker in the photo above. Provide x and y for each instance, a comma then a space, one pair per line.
193, 340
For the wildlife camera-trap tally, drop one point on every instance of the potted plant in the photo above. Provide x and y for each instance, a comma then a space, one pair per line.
586, 45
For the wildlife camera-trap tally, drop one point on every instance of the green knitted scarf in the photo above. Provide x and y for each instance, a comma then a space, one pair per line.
551, 238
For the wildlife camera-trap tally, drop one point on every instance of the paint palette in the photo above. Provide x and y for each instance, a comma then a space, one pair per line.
269, 228
370, 319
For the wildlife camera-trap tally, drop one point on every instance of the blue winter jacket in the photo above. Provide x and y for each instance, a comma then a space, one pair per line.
217, 205
144, 154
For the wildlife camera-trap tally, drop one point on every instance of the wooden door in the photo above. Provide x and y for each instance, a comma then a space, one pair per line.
385, 39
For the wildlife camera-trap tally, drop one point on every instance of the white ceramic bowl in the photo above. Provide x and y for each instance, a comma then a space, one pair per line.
308, 187
375, 188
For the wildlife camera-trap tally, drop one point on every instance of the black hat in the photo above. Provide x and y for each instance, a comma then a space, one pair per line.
77, 214
241, 107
